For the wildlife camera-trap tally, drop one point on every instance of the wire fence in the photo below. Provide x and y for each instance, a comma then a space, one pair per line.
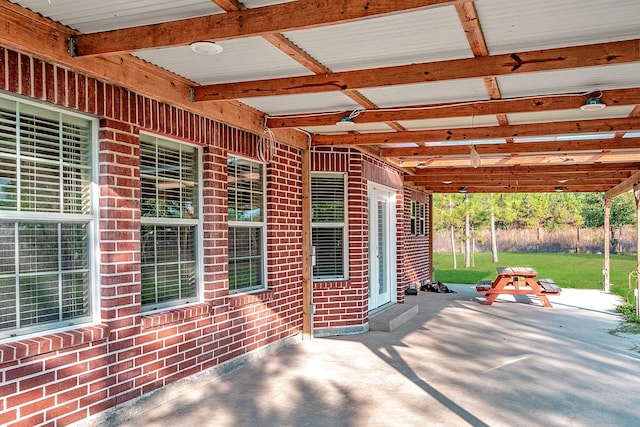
576, 240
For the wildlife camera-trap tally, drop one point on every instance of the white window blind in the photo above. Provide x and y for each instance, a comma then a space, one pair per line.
45, 218
328, 203
170, 222
246, 202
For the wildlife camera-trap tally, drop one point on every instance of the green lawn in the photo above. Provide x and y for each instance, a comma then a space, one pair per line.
582, 271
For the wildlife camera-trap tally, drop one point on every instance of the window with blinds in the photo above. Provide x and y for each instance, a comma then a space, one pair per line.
246, 202
328, 223
170, 222
414, 218
46, 218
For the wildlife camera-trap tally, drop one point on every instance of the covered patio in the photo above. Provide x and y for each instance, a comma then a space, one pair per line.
457, 363
187, 184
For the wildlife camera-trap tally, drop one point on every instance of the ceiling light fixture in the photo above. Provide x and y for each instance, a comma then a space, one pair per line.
593, 104
206, 48
447, 182
558, 189
462, 189
347, 121
562, 181
421, 165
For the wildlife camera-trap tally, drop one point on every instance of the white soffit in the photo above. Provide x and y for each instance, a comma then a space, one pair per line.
511, 26
433, 34
583, 80
89, 16
450, 122
246, 59
615, 111
356, 127
302, 103
427, 93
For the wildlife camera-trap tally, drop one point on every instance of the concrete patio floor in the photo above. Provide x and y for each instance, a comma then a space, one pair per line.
457, 363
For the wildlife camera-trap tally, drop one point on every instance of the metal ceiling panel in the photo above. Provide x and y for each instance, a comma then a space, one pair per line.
520, 25
427, 93
450, 123
566, 115
302, 103
250, 58
356, 127
433, 34
89, 16
583, 80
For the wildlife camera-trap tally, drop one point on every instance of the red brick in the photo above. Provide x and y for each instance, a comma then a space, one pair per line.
22, 398
34, 420
37, 380
72, 394
61, 386
36, 406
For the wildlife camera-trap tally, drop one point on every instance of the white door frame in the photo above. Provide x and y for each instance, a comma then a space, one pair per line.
376, 193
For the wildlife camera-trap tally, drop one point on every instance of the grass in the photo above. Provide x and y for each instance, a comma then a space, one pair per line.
582, 271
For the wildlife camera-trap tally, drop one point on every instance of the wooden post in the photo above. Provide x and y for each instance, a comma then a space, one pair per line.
607, 243
307, 268
636, 193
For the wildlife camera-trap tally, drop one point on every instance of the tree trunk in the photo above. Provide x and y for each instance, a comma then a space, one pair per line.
453, 248
494, 240
473, 252
467, 241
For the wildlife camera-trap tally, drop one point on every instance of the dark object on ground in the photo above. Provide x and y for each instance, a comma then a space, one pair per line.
436, 286
411, 290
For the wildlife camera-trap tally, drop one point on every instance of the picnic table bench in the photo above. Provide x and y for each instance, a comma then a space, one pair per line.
518, 281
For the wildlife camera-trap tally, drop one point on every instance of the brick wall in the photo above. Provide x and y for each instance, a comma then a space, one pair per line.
342, 306
64, 376
417, 249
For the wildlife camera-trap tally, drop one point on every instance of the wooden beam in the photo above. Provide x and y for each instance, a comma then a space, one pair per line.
447, 173
277, 18
28, 32
554, 148
478, 133
629, 96
624, 186
620, 52
518, 189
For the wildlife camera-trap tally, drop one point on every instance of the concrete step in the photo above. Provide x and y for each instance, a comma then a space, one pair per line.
393, 317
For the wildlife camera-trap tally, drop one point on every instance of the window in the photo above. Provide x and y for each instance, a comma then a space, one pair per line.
170, 224
47, 219
328, 204
422, 220
413, 215
246, 194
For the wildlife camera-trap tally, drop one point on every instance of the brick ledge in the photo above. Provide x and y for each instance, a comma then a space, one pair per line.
29, 347
174, 315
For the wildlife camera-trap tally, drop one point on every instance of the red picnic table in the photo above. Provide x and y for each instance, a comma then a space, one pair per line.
518, 281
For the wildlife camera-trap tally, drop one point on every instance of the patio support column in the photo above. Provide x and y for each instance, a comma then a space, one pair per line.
636, 193
307, 273
607, 243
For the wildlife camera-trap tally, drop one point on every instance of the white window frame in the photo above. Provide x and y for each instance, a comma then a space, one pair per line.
334, 225
413, 222
261, 225
47, 217
195, 222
